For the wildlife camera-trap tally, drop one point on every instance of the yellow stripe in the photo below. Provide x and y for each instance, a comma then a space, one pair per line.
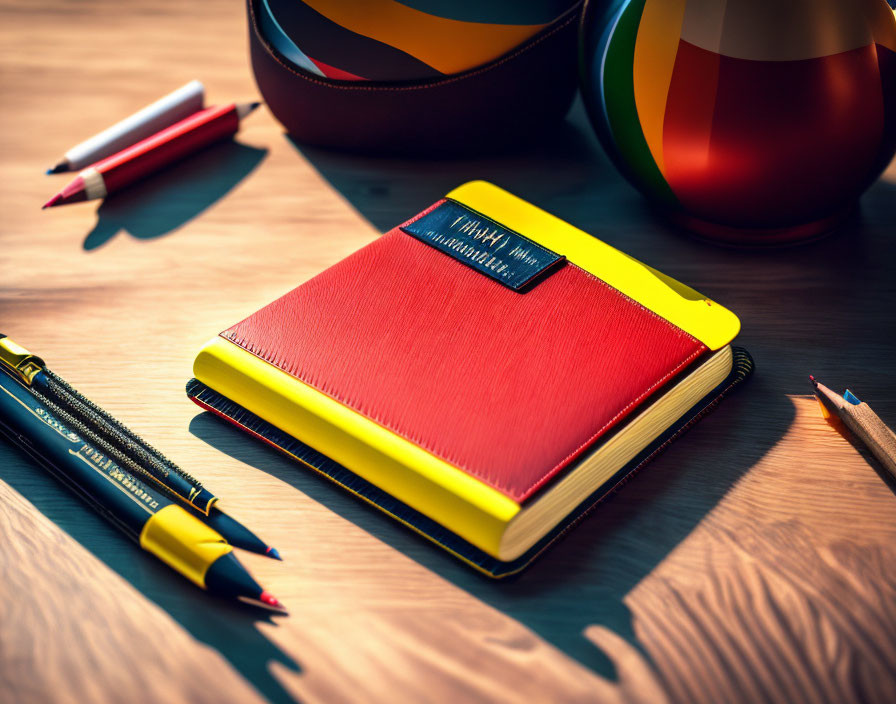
681, 305
655, 49
448, 495
449, 46
183, 542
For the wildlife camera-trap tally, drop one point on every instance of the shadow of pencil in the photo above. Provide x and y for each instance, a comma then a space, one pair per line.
167, 200
228, 627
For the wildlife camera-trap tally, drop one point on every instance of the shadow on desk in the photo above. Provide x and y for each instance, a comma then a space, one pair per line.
584, 579
160, 204
228, 627
551, 169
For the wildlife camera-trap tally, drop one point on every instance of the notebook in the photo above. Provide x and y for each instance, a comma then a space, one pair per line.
484, 372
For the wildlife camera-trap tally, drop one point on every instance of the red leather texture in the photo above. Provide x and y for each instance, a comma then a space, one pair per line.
509, 387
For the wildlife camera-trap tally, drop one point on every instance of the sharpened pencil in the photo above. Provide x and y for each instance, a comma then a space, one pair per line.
153, 153
864, 423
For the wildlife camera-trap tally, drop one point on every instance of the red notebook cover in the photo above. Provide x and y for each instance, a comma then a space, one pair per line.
509, 387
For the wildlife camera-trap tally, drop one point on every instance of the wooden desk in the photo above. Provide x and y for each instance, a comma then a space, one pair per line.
754, 561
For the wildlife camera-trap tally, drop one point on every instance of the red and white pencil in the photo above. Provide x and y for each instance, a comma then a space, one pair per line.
153, 153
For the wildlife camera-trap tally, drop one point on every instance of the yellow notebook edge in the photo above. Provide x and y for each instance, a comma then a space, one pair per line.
601, 462
460, 502
448, 495
714, 325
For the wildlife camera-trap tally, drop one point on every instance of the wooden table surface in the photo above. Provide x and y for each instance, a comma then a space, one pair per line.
754, 561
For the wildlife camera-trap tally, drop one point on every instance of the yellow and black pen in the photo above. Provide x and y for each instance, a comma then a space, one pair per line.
140, 510
123, 446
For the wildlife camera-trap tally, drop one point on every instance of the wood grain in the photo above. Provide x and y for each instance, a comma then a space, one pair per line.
49, 592
752, 562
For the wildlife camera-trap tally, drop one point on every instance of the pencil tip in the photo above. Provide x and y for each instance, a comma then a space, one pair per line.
61, 166
244, 109
272, 552
812, 380
272, 601
53, 201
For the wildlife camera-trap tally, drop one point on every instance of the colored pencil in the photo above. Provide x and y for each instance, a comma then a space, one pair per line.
175, 106
153, 153
864, 423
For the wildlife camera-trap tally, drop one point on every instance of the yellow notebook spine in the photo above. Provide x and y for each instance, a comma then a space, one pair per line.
448, 495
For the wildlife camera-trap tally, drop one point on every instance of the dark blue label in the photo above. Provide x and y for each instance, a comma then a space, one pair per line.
485, 245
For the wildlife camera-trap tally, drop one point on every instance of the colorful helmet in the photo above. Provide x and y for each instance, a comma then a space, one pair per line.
751, 114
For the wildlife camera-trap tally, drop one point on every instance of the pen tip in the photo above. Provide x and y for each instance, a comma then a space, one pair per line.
273, 602
272, 552
255, 104
61, 166
53, 201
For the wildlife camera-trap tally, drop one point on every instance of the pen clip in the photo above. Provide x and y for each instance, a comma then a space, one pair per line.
19, 361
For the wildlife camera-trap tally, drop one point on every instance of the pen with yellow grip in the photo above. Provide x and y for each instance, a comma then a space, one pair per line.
138, 508
123, 446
